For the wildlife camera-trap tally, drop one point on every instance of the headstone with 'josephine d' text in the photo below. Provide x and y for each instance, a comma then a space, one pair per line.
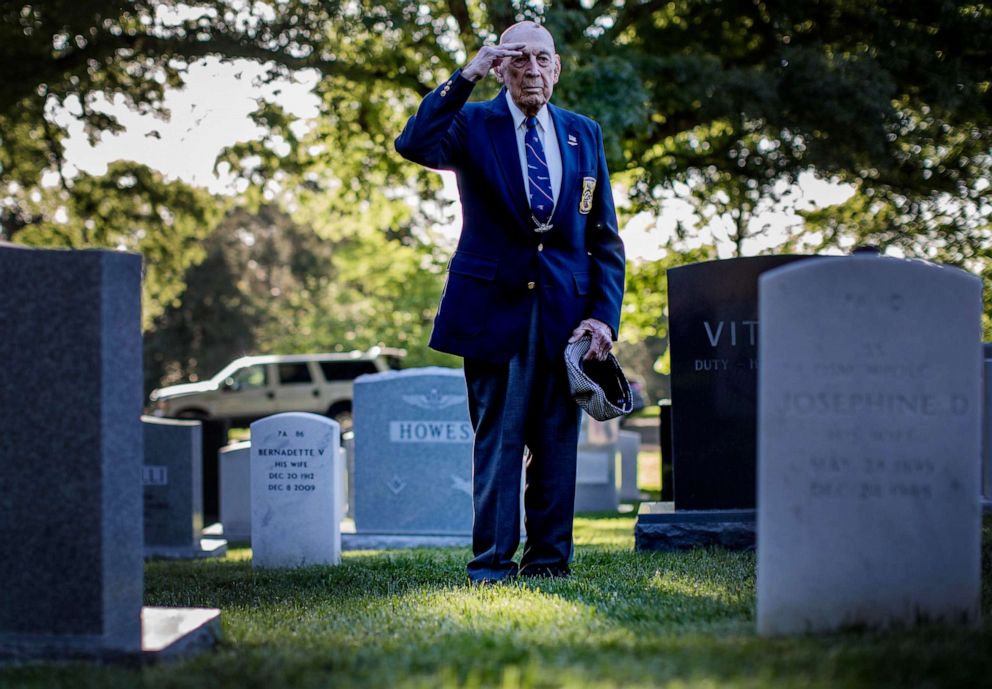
295, 491
869, 445
413, 453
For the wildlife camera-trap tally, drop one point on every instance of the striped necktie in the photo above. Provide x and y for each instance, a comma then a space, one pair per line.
542, 203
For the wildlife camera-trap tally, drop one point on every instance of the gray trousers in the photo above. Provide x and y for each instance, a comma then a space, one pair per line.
523, 403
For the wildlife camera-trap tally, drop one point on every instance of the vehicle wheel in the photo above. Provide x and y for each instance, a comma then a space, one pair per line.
341, 413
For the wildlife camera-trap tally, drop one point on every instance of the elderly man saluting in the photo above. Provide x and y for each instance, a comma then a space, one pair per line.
539, 263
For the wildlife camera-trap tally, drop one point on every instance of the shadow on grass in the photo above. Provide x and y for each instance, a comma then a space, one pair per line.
625, 619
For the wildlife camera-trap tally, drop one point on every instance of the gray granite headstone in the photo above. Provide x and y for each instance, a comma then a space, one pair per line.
235, 491
630, 445
987, 424
295, 491
173, 483
595, 476
869, 442
71, 448
413, 453
348, 445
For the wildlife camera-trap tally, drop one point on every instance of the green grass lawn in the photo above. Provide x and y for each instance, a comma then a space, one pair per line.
408, 619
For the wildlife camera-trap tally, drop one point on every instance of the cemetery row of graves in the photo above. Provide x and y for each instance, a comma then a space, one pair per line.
844, 474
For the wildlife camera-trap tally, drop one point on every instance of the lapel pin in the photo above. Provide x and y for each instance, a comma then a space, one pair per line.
572, 141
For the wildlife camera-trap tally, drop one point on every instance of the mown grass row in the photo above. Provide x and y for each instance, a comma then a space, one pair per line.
625, 619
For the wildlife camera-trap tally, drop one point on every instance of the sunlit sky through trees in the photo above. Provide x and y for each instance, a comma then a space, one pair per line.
213, 111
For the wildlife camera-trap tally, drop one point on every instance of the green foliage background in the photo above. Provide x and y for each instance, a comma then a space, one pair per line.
719, 103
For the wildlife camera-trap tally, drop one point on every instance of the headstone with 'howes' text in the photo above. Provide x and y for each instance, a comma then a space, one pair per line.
413, 453
295, 491
869, 445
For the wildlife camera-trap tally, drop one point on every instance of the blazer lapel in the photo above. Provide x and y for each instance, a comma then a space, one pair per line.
569, 166
504, 142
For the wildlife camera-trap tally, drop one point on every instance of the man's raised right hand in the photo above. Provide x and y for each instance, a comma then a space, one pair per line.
488, 57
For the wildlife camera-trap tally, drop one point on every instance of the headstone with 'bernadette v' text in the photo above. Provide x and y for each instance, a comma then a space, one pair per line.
295, 491
869, 445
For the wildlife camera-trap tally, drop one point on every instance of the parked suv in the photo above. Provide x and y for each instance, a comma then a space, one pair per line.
255, 386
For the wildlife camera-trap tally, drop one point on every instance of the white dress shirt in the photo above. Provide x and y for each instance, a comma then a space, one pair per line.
546, 132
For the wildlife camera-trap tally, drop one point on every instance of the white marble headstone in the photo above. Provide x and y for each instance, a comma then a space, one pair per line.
595, 474
295, 472
869, 405
630, 446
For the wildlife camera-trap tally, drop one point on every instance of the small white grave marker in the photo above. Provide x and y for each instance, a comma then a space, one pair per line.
295, 472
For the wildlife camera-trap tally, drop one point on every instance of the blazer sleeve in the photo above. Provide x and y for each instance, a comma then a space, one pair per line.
605, 248
436, 136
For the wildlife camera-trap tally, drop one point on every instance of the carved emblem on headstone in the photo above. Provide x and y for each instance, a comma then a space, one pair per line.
433, 400
396, 484
155, 475
464, 485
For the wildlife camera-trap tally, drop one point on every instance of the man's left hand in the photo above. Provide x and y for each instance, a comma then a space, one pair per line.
602, 338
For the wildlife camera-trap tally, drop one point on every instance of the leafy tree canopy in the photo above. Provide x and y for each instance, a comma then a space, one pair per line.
893, 95
729, 98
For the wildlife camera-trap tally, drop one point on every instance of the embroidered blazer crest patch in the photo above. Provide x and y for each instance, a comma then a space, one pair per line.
588, 187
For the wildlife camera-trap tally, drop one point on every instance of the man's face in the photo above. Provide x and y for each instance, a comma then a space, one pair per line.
530, 78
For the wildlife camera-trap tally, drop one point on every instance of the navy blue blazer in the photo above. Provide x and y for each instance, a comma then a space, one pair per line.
576, 269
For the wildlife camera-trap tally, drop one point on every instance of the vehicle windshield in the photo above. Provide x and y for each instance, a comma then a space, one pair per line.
227, 372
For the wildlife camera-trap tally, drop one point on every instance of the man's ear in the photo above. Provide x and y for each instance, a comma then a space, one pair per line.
497, 63
557, 72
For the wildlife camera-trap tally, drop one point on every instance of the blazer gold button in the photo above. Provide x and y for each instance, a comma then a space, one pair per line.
531, 285
540, 247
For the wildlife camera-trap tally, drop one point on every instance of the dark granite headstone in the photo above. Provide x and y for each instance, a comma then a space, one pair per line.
174, 490
215, 433
708, 431
71, 568
659, 527
713, 329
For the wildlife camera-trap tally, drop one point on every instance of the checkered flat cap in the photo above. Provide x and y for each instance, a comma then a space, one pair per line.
599, 387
